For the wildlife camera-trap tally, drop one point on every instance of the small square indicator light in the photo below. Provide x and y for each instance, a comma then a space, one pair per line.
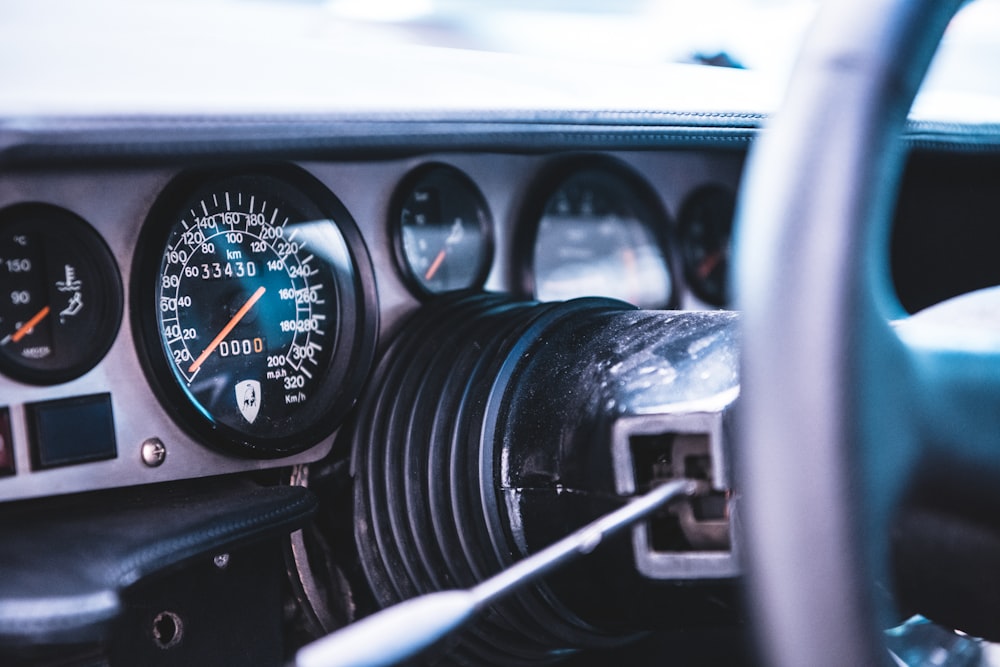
71, 430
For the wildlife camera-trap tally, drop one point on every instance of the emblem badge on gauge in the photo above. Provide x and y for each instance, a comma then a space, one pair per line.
254, 297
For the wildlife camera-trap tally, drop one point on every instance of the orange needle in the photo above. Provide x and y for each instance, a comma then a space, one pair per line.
240, 314
709, 263
436, 264
29, 325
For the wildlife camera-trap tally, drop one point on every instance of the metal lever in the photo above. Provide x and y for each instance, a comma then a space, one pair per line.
405, 629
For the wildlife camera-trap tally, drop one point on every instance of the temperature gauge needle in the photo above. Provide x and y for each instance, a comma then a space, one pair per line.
436, 264
240, 314
454, 236
27, 326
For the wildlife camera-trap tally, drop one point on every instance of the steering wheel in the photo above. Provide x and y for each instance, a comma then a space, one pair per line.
841, 410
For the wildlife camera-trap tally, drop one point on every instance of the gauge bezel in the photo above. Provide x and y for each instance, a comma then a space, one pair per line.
96, 346
483, 216
356, 340
551, 179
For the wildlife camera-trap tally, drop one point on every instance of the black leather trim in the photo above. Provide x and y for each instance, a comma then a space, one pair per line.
48, 141
64, 563
954, 137
28, 141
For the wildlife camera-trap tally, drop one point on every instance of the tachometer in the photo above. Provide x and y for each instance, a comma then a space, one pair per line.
595, 229
256, 306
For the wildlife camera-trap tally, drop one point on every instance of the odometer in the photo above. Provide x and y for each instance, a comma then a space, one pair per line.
255, 308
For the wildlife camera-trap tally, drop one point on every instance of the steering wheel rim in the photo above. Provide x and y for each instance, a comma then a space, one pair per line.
833, 420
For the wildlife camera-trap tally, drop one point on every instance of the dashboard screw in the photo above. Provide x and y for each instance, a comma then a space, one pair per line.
221, 561
154, 452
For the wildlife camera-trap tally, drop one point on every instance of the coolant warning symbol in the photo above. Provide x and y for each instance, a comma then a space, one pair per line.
248, 399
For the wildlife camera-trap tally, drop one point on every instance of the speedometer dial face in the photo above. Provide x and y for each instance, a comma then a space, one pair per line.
256, 313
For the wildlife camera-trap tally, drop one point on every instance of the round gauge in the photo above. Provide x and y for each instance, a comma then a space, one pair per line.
597, 232
61, 296
441, 230
256, 305
705, 226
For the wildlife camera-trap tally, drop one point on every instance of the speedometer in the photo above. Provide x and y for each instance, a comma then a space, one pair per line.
256, 308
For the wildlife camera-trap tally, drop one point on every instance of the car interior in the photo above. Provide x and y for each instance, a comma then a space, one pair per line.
322, 339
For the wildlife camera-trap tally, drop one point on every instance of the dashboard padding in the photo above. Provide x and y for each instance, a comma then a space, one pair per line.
66, 562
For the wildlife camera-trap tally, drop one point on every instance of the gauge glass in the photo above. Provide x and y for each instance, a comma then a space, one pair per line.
257, 303
705, 226
442, 231
599, 235
61, 296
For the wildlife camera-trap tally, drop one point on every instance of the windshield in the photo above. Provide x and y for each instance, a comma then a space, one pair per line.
760, 35
735, 33
203, 56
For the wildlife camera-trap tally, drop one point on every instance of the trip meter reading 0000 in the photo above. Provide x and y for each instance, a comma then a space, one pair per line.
255, 302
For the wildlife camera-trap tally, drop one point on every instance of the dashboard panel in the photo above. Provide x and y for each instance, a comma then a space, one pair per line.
502, 199
152, 428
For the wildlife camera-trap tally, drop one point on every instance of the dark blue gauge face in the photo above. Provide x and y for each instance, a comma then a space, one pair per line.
260, 326
247, 309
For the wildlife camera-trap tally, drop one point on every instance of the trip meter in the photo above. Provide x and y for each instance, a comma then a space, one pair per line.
255, 304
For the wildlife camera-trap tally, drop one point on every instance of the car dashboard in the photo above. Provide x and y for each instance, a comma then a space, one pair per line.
666, 212
230, 345
114, 204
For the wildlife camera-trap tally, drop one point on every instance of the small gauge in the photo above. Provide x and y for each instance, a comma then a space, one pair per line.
442, 231
705, 226
61, 295
597, 232
255, 303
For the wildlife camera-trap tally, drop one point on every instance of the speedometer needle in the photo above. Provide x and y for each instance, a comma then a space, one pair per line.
240, 314
28, 326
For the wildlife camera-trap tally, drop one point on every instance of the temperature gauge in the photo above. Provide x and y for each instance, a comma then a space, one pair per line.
61, 297
442, 232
